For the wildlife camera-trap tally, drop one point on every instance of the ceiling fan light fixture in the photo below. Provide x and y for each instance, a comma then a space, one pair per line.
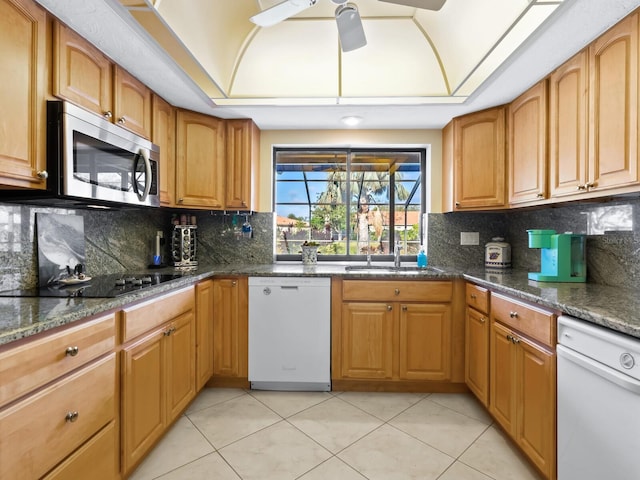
350, 28
281, 11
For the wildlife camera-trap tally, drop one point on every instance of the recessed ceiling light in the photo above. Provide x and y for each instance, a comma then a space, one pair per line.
351, 120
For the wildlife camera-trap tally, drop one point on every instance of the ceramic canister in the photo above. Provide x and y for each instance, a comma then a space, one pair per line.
497, 253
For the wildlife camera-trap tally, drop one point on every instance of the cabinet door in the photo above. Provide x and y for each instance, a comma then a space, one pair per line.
181, 364
502, 377
143, 415
163, 134
81, 73
568, 126
200, 169
230, 327
613, 88
479, 153
204, 333
367, 340
132, 103
23, 67
242, 159
536, 425
527, 142
476, 372
425, 342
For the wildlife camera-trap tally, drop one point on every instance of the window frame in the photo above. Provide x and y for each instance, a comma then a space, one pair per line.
424, 154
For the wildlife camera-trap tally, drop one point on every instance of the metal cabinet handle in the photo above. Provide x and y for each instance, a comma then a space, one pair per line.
590, 185
42, 174
71, 417
397, 291
234, 283
473, 296
122, 121
582, 187
513, 314
482, 319
71, 351
457, 204
540, 195
389, 307
107, 114
180, 200
169, 331
515, 340
404, 308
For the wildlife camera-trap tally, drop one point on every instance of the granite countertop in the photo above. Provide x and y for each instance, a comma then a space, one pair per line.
612, 307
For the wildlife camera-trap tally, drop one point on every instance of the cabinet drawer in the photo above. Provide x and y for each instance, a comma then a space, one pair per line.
396, 291
145, 316
535, 322
477, 297
96, 459
37, 362
37, 433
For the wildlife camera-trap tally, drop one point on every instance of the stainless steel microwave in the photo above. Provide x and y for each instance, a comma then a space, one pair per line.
93, 160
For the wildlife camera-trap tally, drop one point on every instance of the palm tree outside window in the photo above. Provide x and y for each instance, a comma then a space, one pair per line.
350, 202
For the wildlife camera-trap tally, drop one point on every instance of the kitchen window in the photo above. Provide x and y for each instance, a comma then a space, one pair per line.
351, 202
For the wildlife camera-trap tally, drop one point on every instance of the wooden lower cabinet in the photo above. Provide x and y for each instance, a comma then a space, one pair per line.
52, 423
477, 354
367, 340
158, 375
407, 342
230, 331
523, 393
425, 340
204, 333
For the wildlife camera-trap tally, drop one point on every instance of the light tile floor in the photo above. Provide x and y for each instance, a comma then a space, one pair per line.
231, 434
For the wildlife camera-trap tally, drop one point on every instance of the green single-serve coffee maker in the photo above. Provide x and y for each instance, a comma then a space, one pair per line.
562, 256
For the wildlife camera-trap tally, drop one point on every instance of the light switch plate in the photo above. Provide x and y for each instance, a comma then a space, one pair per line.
469, 238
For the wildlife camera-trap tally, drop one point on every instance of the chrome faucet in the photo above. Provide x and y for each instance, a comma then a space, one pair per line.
396, 255
368, 250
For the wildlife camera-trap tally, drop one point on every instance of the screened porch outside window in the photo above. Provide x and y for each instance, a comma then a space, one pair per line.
350, 202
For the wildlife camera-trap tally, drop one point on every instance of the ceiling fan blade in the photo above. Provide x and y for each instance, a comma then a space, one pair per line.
350, 28
424, 4
281, 11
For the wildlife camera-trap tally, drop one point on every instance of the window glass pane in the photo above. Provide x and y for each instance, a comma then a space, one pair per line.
351, 202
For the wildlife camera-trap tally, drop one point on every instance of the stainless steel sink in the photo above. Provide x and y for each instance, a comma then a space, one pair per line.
391, 269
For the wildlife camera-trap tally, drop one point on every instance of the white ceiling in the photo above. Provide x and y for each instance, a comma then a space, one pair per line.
425, 104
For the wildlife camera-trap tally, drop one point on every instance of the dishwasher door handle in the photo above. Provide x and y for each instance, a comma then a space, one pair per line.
289, 287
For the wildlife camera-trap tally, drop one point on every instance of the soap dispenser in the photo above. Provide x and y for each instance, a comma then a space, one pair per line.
422, 258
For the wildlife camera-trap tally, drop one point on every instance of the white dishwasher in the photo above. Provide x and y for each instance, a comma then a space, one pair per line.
290, 333
598, 403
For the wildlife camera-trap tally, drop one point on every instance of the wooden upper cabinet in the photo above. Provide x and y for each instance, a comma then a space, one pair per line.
82, 74
200, 169
23, 49
613, 99
132, 103
568, 126
527, 145
242, 157
447, 168
163, 134
479, 160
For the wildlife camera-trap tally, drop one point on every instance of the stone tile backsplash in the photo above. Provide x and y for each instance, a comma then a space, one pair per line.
122, 240
612, 229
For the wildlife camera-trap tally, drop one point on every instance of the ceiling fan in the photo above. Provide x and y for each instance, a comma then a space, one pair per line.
348, 20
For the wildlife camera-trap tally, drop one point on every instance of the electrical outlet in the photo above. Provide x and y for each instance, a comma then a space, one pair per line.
469, 238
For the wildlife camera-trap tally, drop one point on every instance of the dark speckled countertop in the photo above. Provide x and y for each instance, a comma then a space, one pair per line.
611, 307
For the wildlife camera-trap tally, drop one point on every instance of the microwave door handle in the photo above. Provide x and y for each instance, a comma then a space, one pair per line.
147, 169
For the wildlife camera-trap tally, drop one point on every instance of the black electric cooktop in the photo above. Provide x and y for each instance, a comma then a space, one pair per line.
101, 286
